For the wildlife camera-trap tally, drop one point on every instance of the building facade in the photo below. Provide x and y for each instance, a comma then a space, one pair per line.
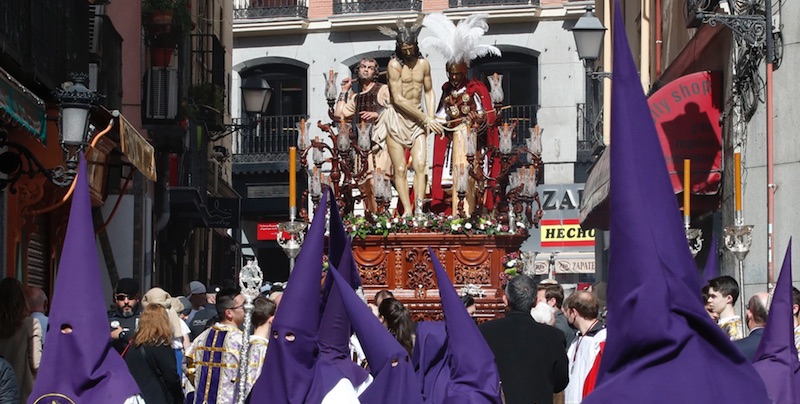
294, 45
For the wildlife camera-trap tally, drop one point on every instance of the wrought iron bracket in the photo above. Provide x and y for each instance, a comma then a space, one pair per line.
17, 161
752, 28
230, 129
600, 75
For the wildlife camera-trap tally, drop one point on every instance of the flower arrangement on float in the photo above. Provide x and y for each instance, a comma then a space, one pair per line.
513, 264
384, 225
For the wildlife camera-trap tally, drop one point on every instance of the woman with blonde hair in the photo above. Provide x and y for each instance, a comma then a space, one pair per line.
180, 330
20, 335
150, 358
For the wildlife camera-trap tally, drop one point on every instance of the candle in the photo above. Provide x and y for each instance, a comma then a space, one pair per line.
292, 177
330, 74
737, 179
687, 187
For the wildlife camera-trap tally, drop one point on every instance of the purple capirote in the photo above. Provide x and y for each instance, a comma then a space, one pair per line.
81, 365
662, 346
776, 357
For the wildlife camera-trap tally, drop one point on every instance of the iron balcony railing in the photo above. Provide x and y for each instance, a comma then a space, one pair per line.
590, 132
493, 3
274, 135
260, 9
375, 6
525, 117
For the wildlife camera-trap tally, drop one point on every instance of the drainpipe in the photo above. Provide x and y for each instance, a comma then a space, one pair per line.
770, 152
659, 42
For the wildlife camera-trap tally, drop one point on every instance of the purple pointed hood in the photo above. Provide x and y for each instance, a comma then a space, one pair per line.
662, 346
81, 365
473, 372
394, 381
288, 366
334, 329
711, 269
776, 356
430, 364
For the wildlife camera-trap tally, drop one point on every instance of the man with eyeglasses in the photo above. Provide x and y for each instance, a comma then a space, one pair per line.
124, 318
214, 354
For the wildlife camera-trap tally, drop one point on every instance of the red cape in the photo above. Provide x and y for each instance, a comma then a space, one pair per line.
474, 86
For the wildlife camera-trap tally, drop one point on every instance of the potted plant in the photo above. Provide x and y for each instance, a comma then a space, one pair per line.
161, 15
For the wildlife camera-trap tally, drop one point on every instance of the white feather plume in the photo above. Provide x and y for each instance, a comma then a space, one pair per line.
458, 43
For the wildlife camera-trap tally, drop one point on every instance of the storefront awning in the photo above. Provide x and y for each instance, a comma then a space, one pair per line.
21, 108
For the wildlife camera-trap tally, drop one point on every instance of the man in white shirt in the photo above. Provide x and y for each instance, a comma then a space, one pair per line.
582, 309
723, 292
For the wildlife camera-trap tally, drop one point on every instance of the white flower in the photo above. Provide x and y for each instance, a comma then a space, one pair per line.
511, 264
499, 228
427, 224
414, 223
455, 226
468, 226
395, 220
378, 225
520, 224
482, 226
388, 225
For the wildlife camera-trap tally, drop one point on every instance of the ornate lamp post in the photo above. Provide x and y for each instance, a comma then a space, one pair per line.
250, 279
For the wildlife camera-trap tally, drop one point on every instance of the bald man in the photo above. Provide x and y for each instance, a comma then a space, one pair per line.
37, 302
756, 318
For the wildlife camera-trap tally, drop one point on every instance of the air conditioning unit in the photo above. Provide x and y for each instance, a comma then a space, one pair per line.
95, 29
162, 93
214, 169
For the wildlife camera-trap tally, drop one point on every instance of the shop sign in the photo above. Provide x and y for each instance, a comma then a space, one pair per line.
21, 107
267, 231
565, 233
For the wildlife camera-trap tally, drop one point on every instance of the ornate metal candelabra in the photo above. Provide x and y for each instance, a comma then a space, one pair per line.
514, 197
250, 279
738, 239
290, 238
347, 155
694, 237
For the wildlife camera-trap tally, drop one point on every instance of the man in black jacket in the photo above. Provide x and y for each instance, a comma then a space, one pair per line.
530, 357
124, 318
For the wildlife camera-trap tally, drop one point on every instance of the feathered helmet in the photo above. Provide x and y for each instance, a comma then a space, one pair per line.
403, 34
458, 44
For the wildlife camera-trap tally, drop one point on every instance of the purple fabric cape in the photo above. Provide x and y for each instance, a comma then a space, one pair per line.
429, 362
662, 346
394, 381
334, 328
711, 269
81, 365
289, 365
473, 373
776, 356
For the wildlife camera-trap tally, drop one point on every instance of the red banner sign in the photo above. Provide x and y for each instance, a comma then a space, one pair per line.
686, 113
267, 231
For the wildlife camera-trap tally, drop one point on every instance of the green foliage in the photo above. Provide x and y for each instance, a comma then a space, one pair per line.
203, 96
181, 11
383, 225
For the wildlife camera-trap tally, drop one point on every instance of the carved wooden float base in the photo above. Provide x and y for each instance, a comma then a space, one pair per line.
401, 264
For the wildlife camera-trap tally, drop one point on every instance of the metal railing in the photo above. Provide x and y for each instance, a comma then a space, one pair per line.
483, 3
258, 9
274, 135
525, 117
375, 6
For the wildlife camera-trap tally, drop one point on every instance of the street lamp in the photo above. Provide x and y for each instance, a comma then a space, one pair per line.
589, 33
75, 104
256, 93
